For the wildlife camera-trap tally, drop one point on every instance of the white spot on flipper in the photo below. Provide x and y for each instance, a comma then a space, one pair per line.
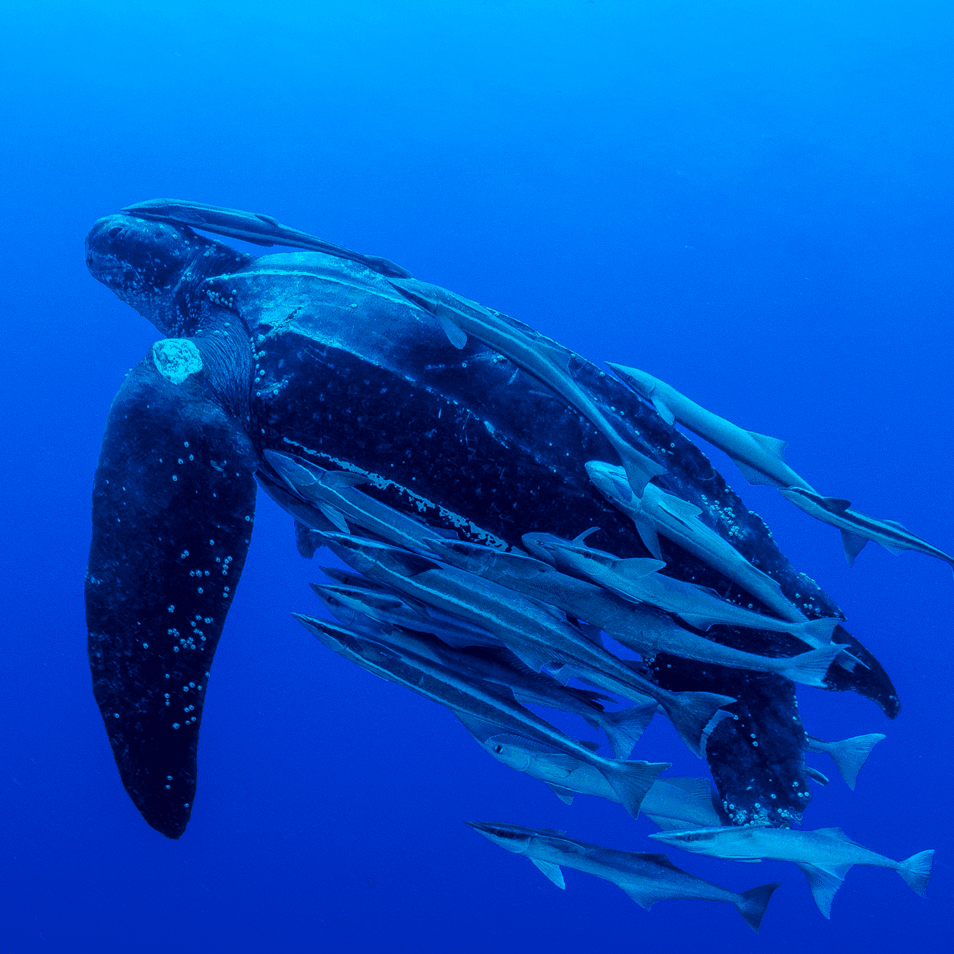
176, 358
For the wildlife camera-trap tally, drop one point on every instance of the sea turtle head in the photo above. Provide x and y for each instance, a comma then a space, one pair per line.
154, 266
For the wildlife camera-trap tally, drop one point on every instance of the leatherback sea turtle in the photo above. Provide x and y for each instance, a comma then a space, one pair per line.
348, 362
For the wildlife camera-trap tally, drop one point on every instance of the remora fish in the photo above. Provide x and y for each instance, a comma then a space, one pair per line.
639, 580
336, 496
387, 605
252, 227
657, 512
857, 529
760, 458
848, 754
635, 625
484, 702
671, 803
500, 666
825, 856
535, 354
646, 878
529, 630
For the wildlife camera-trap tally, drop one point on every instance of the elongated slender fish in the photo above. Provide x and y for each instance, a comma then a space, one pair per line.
857, 529
848, 754
252, 227
535, 354
636, 625
500, 666
528, 629
825, 856
657, 512
639, 580
760, 458
483, 702
336, 497
388, 606
671, 803
646, 878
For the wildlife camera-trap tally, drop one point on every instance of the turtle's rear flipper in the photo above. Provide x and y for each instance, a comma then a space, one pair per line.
173, 505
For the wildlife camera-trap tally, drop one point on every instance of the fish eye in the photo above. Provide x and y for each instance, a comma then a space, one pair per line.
115, 231
498, 749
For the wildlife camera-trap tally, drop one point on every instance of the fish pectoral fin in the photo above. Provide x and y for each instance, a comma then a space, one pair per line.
754, 476
853, 543
772, 445
478, 728
552, 871
335, 517
635, 568
455, 334
837, 504
824, 883
344, 478
835, 833
681, 509
657, 858
588, 744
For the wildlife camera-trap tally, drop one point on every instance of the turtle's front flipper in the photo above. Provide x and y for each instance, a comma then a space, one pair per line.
173, 506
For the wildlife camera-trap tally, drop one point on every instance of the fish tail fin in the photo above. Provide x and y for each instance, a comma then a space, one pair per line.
752, 904
916, 871
815, 632
694, 715
811, 668
625, 728
850, 754
632, 780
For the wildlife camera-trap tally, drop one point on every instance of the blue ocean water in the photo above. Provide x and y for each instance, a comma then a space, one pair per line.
752, 201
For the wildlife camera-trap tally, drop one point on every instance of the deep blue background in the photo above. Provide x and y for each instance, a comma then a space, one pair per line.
752, 200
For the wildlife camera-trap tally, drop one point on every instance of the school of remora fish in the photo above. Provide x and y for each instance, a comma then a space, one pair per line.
488, 629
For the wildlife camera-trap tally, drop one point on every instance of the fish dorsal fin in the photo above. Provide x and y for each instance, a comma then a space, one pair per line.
853, 543
897, 526
834, 833
823, 884
580, 538
644, 898
754, 476
564, 794
837, 504
552, 871
555, 832
772, 445
650, 537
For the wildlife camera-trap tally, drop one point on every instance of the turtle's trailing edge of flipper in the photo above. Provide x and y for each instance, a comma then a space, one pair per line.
173, 505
